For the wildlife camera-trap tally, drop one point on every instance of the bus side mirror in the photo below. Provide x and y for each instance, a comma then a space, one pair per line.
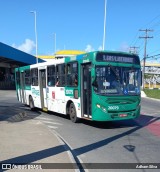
94, 83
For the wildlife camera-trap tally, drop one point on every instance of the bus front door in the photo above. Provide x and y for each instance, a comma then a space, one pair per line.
22, 87
86, 90
43, 90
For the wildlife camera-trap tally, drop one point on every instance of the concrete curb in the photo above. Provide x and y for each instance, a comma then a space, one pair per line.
158, 100
143, 94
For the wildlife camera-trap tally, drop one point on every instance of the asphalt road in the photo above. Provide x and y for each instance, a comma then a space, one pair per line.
150, 106
131, 141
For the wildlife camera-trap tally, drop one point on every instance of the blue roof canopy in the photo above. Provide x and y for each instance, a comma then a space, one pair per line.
12, 55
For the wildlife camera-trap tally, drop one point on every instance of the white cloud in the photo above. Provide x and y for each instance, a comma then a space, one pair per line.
124, 47
27, 46
89, 48
100, 48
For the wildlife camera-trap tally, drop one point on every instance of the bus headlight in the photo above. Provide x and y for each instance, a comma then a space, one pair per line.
98, 105
101, 107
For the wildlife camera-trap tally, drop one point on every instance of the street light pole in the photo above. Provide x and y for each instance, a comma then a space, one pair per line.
35, 27
54, 43
104, 33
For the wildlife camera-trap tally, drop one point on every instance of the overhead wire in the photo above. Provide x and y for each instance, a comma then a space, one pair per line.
136, 39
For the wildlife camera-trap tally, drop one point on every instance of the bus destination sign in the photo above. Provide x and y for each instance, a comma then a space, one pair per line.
117, 59
114, 58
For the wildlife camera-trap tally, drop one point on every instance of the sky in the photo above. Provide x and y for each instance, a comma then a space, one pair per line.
79, 25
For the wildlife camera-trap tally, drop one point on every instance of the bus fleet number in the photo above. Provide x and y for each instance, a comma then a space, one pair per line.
113, 107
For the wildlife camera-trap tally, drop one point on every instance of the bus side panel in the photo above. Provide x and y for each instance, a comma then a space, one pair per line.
76, 104
69, 97
56, 99
35, 93
52, 102
28, 93
18, 94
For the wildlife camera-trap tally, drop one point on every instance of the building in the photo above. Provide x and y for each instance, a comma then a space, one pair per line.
152, 75
61, 54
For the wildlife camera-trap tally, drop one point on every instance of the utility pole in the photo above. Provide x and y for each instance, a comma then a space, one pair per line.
133, 50
145, 48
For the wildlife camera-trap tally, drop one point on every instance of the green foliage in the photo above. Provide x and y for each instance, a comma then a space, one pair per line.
153, 93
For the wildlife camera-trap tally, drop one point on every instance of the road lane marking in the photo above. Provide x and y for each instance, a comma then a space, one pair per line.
42, 118
50, 122
50, 126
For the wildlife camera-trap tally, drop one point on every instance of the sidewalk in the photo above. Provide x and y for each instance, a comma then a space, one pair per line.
30, 141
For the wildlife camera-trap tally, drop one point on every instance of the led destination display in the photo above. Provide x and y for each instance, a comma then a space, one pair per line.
120, 58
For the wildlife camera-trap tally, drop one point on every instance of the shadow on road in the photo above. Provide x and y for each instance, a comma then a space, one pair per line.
111, 124
16, 113
142, 122
35, 156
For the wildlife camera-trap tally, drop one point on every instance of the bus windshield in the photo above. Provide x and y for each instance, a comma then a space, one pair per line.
113, 80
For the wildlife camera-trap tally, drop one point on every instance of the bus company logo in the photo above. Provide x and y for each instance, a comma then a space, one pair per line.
69, 92
36, 92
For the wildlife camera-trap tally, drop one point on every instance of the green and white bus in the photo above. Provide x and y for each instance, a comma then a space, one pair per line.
98, 86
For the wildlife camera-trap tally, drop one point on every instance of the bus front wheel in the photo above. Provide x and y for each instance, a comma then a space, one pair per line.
73, 114
31, 103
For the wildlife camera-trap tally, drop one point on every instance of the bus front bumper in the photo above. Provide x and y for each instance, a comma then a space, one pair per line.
101, 115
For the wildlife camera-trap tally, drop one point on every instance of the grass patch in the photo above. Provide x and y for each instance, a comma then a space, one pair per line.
153, 93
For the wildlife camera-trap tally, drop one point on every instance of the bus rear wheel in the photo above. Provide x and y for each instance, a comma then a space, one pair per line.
73, 114
31, 103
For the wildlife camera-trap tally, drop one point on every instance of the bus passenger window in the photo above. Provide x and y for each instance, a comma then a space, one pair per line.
51, 75
76, 80
72, 74
61, 74
57, 84
34, 76
27, 78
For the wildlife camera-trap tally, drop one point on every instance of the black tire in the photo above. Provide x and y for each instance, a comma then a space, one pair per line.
31, 103
72, 113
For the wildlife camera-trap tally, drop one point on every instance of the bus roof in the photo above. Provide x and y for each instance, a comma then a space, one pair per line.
79, 57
